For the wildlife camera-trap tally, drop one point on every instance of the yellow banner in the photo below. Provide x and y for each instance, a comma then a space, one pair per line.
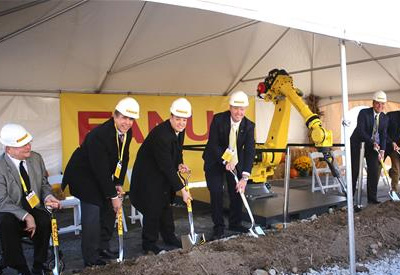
82, 112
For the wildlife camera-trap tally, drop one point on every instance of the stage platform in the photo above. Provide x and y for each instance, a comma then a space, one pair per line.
302, 204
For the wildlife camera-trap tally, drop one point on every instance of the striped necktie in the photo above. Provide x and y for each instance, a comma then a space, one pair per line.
375, 131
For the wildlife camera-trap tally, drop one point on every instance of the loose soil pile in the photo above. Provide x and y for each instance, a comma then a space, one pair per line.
303, 245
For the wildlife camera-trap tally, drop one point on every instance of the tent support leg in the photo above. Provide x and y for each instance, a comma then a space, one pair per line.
346, 124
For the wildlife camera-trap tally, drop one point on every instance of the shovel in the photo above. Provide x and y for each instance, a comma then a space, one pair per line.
392, 194
257, 229
58, 263
192, 239
120, 236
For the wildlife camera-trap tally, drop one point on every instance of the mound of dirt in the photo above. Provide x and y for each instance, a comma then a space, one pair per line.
301, 246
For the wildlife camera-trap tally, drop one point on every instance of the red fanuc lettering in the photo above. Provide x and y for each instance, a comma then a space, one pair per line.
154, 119
190, 130
84, 126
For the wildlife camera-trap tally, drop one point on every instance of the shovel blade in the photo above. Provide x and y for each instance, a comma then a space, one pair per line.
394, 196
188, 241
56, 270
259, 230
120, 249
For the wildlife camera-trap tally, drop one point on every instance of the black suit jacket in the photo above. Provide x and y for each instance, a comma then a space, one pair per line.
218, 141
393, 132
154, 174
91, 167
365, 125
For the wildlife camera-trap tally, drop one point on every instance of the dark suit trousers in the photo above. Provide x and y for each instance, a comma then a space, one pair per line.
158, 219
97, 229
395, 170
12, 230
373, 169
215, 178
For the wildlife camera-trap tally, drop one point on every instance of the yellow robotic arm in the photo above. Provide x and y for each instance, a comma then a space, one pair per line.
278, 89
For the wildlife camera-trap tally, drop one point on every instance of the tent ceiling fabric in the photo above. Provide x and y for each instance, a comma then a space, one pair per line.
179, 50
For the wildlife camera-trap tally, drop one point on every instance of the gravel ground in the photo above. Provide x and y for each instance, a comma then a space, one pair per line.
389, 265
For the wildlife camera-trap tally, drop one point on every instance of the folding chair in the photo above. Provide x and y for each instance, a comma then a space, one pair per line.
69, 202
330, 182
135, 214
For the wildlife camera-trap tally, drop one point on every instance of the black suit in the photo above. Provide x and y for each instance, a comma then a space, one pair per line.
155, 181
89, 174
363, 133
393, 137
218, 142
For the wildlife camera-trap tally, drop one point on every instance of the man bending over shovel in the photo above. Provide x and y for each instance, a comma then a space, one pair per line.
155, 180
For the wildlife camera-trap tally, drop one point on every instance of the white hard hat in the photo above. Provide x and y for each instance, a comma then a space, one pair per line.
129, 107
181, 107
380, 96
239, 99
14, 135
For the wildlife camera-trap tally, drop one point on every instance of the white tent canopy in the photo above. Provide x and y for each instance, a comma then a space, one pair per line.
149, 47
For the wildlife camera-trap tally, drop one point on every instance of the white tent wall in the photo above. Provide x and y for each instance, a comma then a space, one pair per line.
41, 117
298, 132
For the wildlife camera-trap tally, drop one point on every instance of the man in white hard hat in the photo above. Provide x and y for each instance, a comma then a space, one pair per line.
230, 132
371, 128
95, 174
155, 181
24, 192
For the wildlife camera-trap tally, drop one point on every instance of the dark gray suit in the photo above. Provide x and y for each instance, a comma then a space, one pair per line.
363, 133
12, 212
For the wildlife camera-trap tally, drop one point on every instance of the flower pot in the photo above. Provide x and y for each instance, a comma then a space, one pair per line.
303, 173
293, 173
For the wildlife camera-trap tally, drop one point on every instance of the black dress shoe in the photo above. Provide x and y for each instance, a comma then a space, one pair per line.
108, 254
151, 249
98, 262
218, 233
23, 270
173, 242
238, 228
39, 269
373, 202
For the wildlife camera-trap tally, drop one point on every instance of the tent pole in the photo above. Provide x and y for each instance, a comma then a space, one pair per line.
381, 65
22, 7
346, 125
332, 66
188, 45
258, 61
41, 21
120, 50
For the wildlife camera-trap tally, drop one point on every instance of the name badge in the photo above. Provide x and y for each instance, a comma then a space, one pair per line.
32, 199
118, 170
228, 154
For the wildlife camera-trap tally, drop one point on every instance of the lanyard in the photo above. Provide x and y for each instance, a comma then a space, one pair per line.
23, 184
120, 153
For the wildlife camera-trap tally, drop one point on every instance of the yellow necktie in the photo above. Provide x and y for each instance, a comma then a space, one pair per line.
232, 145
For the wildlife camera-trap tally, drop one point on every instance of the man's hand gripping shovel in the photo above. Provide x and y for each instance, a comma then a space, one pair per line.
56, 264
392, 194
254, 230
192, 239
